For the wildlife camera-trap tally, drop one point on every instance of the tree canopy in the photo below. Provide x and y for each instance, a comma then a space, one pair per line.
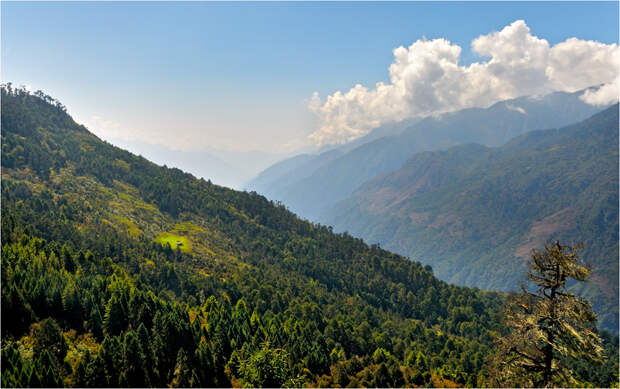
94, 295
549, 326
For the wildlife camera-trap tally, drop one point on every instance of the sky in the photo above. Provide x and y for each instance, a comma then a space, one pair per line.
278, 77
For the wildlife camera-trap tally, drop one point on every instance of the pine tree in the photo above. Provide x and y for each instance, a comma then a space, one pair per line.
549, 325
72, 305
115, 319
183, 375
134, 367
204, 358
45, 372
95, 323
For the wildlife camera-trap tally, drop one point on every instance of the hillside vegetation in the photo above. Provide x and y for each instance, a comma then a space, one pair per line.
475, 213
93, 294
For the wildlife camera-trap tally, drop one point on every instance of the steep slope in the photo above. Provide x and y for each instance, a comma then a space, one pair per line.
119, 272
321, 185
474, 213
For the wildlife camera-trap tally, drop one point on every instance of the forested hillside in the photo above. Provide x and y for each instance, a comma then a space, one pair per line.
311, 189
118, 272
475, 213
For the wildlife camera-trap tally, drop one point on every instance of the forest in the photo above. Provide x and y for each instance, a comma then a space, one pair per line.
98, 292
475, 212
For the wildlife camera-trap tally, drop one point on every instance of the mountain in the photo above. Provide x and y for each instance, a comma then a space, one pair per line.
273, 179
313, 188
227, 168
278, 177
475, 213
120, 272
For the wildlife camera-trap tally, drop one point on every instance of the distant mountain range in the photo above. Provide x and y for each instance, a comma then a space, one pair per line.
443, 191
474, 213
310, 185
232, 169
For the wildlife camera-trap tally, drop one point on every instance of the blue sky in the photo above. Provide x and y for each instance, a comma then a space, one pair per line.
239, 75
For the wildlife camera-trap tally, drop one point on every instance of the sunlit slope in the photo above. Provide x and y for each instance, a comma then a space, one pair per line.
474, 213
117, 250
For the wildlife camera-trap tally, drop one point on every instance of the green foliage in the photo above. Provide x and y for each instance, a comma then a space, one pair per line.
166, 238
48, 337
266, 368
475, 213
135, 313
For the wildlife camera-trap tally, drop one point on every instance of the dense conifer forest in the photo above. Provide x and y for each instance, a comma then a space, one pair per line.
119, 272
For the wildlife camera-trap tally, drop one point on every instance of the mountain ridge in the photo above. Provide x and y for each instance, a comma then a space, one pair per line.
315, 187
440, 206
137, 275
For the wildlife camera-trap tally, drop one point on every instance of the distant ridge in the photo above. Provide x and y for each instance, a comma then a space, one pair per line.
312, 188
475, 213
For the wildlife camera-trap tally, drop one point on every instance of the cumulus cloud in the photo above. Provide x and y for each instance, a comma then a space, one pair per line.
606, 94
426, 79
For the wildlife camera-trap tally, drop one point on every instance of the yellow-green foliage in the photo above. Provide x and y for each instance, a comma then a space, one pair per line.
125, 196
194, 238
25, 346
124, 165
78, 345
188, 227
172, 239
131, 227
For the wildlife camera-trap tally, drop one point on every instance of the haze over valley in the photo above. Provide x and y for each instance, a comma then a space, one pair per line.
213, 194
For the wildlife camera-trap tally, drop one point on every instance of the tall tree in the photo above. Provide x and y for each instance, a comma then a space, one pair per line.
547, 323
268, 367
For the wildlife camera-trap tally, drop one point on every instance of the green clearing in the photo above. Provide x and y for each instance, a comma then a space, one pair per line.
172, 239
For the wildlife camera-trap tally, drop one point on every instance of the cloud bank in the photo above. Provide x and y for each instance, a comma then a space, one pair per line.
426, 79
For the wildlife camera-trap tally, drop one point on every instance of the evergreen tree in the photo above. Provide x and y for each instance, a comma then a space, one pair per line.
72, 305
115, 319
16, 311
204, 359
95, 323
548, 326
183, 375
134, 368
45, 371
48, 338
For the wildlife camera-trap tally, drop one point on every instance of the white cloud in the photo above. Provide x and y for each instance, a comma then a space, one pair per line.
516, 108
575, 64
606, 94
426, 79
